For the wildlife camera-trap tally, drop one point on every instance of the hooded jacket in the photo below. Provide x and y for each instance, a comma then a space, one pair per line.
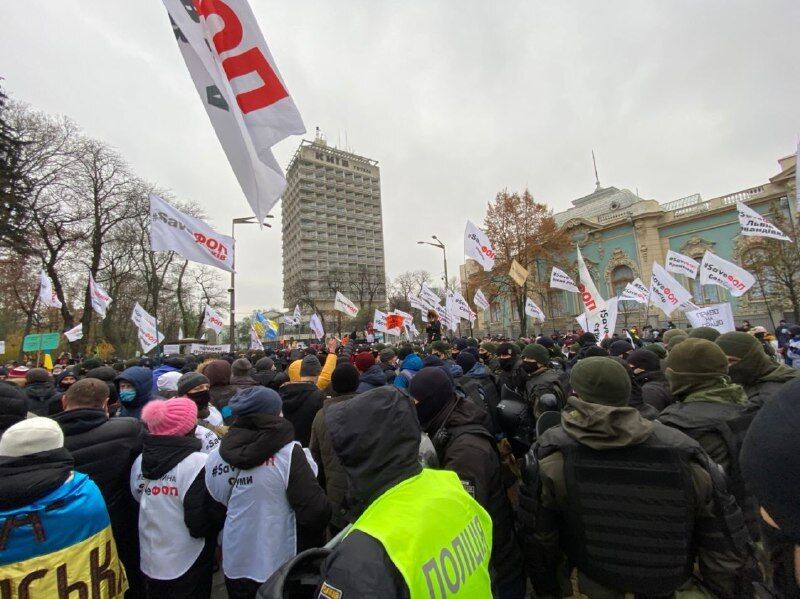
479, 383
603, 428
376, 437
218, 373
271, 492
370, 379
410, 366
760, 377
142, 380
301, 402
43, 398
654, 389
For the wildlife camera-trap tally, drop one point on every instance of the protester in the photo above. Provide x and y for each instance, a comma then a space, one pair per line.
197, 387
105, 448
167, 384
507, 354
371, 375
168, 364
460, 434
267, 376
410, 365
178, 519
41, 393
240, 374
303, 399
608, 490
13, 405
275, 506
64, 379
56, 531
749, 366
409, 518
536, 378
654, 390
218, 373
433, 330
387, 359
479, 384
135, 389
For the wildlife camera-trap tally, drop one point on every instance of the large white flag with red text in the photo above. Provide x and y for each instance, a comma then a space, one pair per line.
665, 292
478, 247
592, 300
241, 89
726, 274
213, 320
100, 299
681, 265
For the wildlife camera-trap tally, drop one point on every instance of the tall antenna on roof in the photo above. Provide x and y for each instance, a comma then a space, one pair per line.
596, 178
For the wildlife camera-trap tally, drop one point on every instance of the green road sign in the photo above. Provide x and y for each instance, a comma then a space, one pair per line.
41, 342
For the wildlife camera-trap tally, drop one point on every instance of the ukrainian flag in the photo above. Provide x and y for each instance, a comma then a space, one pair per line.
260, 324
272, 329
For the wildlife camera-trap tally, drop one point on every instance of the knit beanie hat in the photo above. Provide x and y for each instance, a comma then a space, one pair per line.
168, 382
364, 361
30, 436
218, 372
675, 340
310, 366
472, 342
545, 342
534, 351
13, 406
671, 333
404, 351
489, 347
601, 380
256, 400
171, 417
189, 381
657, 349
386, 355
694, 365
460, 343
619, 347
644, 359
293, 371
769, 459
507, 349
265, 364
37, 375
440, 346
90, 363
709, 333
432, 389
587, 339
344, 379
466, 360
595, 351
754, 364
241, 367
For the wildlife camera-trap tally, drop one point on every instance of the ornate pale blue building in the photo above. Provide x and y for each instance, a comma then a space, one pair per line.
621, 234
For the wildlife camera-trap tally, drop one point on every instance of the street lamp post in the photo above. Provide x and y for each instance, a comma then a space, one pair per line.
441, 246
248, 220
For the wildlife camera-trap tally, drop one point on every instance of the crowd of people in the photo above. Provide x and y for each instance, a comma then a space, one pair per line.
657, 463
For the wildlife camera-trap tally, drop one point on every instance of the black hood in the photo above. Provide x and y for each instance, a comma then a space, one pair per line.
294, 394
255, 438
80, 420
104, 373
42, 391
649, 376
27, 478
376, 437
161, 453
463, 413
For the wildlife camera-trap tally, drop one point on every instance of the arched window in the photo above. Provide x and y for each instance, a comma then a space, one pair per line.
704, 294
620, 277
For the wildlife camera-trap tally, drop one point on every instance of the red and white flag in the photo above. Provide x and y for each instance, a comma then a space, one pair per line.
681, 264
478, 247
213, 320
100, 299
480, 300
343, 304
592, 300
725, 274
665, 292
241, 89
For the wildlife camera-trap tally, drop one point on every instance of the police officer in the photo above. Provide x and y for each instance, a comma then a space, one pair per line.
711, 410
417, 532
626, 501
538, 378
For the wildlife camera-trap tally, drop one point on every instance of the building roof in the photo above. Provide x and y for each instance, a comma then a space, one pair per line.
607, 202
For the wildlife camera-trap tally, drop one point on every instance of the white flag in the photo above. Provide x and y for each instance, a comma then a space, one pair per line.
149, 337
459, 306
478, 247
241, 89
603, 323
429, 298
715, 270
681, 264
140, 315
592, 299
415, 302
298, 316
717, 316
411, 329
755, 225
480, 300
379, 321
635, 291
213, 320
100, 299
191, 238
665, 292
345, 305
561, 280
532, 310
255, 342
288, 320
47, 295
74, 333
316, 326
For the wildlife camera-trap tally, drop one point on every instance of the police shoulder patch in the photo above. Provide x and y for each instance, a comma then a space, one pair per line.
326, 591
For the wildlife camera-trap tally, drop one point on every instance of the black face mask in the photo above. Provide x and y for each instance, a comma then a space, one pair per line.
506, 363
530, 366
201, 398
454, 354
483, 357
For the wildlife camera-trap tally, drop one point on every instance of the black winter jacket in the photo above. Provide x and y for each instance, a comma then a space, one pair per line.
270, 378
655, 389
43, 398
301, 402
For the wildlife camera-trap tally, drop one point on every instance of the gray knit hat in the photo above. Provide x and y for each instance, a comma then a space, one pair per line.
310, 366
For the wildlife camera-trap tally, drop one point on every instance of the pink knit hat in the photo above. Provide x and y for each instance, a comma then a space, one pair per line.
175, 417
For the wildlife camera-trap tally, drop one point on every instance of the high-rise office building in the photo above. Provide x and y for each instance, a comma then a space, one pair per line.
332, 229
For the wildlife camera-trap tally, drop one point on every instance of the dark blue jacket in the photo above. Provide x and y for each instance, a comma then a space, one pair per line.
142, 380
371, 379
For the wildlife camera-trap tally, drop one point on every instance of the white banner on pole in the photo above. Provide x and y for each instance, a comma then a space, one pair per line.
189, 237
603, 323
561, 280
213, 320
592, 300
241, 89
714, 270
415, 302
199, 348
755, 225
429, 298
478, 247
74, 333
716, 316
480, 300
47, 295
100, 299
342, 304
316, 326
255, 342
681, 264
532, 310
665, 292
636, 291
140, 315
379, 321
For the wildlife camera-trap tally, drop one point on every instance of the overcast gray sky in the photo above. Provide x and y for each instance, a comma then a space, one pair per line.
455, 99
